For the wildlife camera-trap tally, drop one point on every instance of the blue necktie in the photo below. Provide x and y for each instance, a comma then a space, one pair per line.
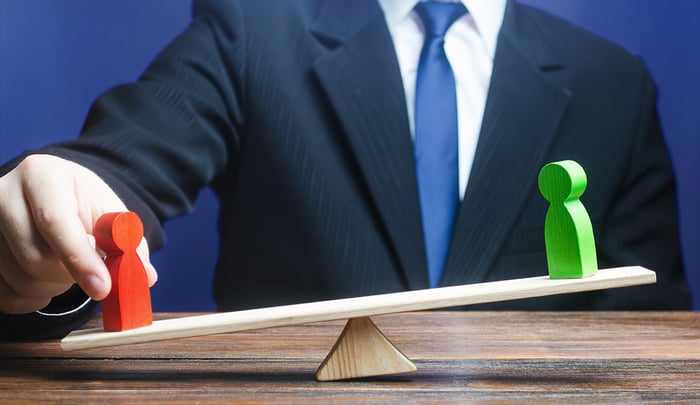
436, 135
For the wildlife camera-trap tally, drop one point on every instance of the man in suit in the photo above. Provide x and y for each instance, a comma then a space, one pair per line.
298, 114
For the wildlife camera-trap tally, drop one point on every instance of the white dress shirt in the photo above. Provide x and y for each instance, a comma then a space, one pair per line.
470, 45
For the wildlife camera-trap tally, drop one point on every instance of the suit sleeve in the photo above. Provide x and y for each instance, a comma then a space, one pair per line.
158, 141
65, 313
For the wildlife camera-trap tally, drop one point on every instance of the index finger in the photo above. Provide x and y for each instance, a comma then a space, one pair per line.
55, 213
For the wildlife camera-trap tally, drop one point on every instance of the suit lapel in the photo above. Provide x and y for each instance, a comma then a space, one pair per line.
522, 113
360, 76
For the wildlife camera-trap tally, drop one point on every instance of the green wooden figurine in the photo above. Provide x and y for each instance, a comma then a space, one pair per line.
568, 233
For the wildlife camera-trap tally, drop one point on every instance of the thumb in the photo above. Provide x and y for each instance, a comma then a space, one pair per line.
143, 252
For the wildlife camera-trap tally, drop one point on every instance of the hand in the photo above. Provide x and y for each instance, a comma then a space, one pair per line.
48, 207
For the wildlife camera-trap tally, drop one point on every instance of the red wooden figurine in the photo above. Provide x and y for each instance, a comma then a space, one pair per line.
128, 304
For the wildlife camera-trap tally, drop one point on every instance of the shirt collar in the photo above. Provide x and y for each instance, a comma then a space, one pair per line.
487, 15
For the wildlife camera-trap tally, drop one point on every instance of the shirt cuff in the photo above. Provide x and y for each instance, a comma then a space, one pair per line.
64, 314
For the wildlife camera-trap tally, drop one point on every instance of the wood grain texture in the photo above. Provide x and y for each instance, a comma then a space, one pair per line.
358, 307
510, 357
362, 350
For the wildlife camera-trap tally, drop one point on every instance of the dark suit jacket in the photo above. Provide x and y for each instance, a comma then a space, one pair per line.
294, 112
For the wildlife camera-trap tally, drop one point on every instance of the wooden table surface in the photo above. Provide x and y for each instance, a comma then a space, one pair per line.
551, 357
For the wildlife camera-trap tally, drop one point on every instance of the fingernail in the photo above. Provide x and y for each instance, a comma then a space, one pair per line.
152, 269
94, 286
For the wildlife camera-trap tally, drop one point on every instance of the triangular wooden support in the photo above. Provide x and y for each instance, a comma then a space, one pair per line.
362, 350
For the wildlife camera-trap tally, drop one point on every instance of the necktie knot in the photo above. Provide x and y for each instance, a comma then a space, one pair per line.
437, 17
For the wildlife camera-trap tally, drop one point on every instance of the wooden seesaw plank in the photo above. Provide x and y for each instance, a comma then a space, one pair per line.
358, 307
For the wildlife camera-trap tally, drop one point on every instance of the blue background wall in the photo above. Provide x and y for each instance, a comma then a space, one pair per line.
57, 56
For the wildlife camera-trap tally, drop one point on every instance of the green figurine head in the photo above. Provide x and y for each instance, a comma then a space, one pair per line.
561, 181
